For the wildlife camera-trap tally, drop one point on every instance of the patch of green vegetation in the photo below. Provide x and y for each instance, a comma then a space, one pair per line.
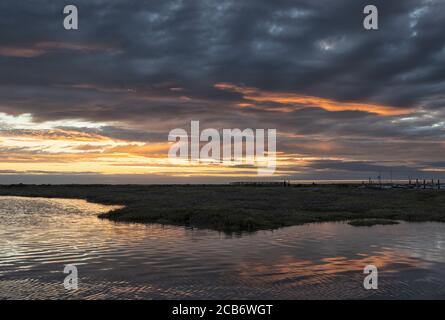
371, 222
231, 208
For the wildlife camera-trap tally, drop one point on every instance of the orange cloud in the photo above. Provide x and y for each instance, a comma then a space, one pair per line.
40, 48
54, 134
294, 101
155, 149
21, 52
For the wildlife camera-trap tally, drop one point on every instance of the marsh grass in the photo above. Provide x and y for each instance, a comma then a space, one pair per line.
247, 208
371, 222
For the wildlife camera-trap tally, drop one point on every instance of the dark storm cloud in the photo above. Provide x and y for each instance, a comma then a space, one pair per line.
360, 166
318, 48
337, 169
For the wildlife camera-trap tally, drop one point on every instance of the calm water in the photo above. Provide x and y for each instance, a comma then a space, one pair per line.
132, 261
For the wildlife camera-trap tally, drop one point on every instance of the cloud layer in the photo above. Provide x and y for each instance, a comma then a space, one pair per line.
347, 103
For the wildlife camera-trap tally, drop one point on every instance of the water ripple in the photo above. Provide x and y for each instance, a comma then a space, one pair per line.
135, 261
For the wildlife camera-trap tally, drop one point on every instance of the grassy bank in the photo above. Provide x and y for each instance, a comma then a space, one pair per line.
371, 222
248, 208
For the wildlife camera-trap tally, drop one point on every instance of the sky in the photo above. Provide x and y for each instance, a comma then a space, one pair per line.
96, 105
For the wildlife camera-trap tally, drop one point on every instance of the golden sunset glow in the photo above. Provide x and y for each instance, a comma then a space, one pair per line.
39, 148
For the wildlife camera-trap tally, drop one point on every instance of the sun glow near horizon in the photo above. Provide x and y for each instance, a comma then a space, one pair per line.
47, 147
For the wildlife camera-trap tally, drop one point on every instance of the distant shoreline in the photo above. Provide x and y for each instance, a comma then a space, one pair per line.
248, 208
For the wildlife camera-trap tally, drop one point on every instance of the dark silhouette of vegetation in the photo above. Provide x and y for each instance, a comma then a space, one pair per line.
232, 208
371, 222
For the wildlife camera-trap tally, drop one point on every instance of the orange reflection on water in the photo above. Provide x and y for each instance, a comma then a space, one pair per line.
313, 271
